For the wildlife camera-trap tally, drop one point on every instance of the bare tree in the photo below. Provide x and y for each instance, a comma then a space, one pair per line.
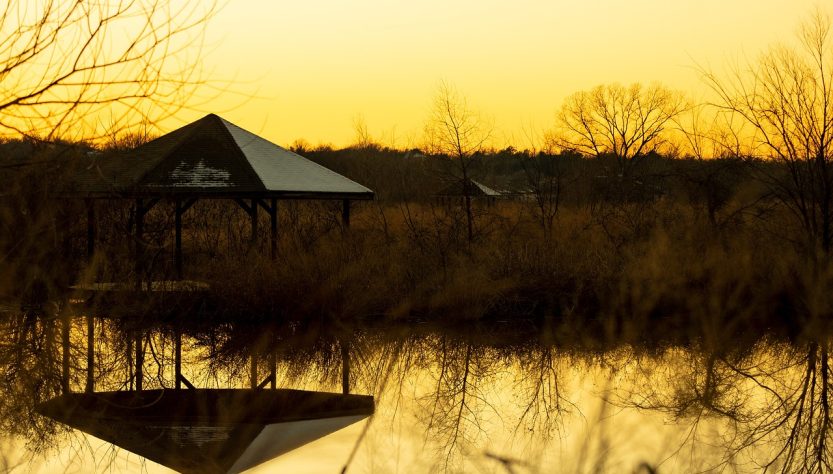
545, 174
459, 403
456, 131
69, 66
81, 70
786, 99
713, 142
363, 139
625, 122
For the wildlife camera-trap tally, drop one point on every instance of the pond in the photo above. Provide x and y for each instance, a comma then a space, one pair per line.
490, 398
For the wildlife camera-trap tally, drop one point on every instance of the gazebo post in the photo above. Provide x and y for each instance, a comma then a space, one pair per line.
91, 228
129, 356
142, 208
65, 327
253, 370
273, 365
140, 359
140, 248
273, 229
345, 366
253, 241
178, 244
90, 354
345, 213
180, 208
178, 358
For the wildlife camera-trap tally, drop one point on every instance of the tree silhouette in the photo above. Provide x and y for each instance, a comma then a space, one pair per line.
457, 131
785, 99
65, 64
625, 122
713, 141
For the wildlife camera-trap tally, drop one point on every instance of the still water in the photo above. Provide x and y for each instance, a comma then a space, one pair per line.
485, 400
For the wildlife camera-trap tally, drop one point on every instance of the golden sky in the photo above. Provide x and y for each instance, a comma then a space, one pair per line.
315, 66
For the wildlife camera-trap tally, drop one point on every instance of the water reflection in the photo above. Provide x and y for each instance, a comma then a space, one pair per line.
774, 398
208, 430
30, 372
486, 399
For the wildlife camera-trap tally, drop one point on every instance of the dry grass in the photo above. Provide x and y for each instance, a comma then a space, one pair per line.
658, 273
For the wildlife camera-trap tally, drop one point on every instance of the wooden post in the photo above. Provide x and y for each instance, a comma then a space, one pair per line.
91, 229
129, 355
178, 358
90, 354
178, 239
140, 359
253, 373
180, 208
273, 229
65, 327
140, 246
345, 213
273, 362
253, 241
345, 367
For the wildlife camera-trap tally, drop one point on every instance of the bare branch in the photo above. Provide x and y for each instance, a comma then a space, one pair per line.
63, 64
626, 122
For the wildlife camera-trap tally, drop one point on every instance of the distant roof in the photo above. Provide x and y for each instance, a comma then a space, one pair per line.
470, 187
212, 156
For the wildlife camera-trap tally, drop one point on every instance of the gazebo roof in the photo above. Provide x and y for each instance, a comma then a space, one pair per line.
214, 157
209, 430
468, 187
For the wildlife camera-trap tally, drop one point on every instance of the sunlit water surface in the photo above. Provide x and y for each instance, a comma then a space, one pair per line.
451, 404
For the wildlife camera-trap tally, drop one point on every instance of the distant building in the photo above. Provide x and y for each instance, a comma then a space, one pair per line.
479, 191
459, 189
516, 193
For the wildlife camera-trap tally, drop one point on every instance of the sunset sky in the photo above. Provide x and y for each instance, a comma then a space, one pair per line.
314, 67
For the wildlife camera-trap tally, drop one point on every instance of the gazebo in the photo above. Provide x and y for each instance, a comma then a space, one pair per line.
462, 188
209, 159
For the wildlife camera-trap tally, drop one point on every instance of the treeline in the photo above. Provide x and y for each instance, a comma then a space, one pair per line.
679, 250
403, 175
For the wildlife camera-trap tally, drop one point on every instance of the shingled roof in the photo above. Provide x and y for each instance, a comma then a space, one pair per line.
214, 157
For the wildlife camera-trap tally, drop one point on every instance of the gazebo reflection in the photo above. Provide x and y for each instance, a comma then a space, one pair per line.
208, 430
190, 429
